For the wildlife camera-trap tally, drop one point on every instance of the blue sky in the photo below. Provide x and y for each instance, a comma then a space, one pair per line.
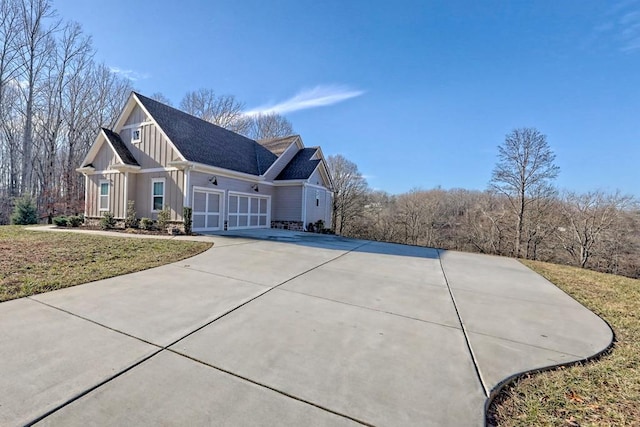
416, 93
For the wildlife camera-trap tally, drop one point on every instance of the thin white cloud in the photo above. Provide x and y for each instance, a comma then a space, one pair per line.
130, 74
622, 26
319, 96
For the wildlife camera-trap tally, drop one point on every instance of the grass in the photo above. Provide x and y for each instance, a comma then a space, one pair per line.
603, 392
32, 262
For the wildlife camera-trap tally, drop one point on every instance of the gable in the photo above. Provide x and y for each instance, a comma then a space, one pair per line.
283, 158
320, 177
202, 142
279, 145
136, 116
104, 158
301, 165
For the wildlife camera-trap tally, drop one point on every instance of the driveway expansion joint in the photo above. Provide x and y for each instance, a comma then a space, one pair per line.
476, 365
259, 384
527, 344
166, 347
431, 322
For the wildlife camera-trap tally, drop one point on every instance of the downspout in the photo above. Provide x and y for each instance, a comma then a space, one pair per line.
86, 193
304, 206
187, 183
126, 193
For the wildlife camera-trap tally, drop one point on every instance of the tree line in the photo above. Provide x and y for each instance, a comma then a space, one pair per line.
54, 98
521, 214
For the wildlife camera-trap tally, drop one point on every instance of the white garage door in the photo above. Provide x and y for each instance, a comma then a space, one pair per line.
248, 211
207, 210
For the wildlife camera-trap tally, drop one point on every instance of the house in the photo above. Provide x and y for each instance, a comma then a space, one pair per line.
158, 156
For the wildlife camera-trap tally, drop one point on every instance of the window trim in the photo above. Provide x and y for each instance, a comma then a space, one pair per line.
133, 132
100, 195
164, 192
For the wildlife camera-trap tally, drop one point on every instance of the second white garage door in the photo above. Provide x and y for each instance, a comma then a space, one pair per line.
248, 211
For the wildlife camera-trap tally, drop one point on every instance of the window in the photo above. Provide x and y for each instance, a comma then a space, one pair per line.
104, 196
317, 198
157, 194
136, 135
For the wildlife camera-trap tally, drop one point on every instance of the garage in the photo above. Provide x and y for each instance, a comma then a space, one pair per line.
207, 210
248, 211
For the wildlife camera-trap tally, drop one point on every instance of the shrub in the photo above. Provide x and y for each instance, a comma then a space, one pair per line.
24, 212
146, 224
130, 220
75, 221
310, 227
60, 221
319, 226
187, 214
107, 221
164, 216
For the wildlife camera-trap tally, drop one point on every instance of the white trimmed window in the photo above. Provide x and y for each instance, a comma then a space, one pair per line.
103, 202
136, 135
157, 194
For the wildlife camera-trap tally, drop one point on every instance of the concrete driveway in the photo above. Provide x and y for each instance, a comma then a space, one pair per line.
288, 329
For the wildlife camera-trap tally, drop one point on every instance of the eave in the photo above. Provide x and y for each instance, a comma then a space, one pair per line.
125, 168
86, 170
181, 164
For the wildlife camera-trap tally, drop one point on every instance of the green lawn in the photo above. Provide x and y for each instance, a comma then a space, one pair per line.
32, 262
604, 392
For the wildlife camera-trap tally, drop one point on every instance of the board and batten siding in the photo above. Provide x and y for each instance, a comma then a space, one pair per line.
226, 184
318, 205
116, 191
173, 193
153, 150
136, 116
105, 157
287, 203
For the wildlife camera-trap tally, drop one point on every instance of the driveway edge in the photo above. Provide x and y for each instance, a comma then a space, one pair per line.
496, 391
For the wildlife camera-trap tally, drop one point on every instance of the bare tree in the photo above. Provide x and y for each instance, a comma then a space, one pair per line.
270, 125
350, 189
159, 96
10, 46
73, 53
524, 174
586, 220
37, 44
110, 92
221, 110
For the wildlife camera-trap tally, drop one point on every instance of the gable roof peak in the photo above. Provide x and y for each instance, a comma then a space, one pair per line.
279, 145
120, 147
200, 141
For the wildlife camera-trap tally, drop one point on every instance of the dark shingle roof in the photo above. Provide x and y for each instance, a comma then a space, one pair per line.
278, 145
301, 166
203, 142
120, 147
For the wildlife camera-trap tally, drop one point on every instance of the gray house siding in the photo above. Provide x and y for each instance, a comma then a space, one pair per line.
173, 193
318, 206
116, 198
105, 157
316, 178
153, 150
136, 116
287, 202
